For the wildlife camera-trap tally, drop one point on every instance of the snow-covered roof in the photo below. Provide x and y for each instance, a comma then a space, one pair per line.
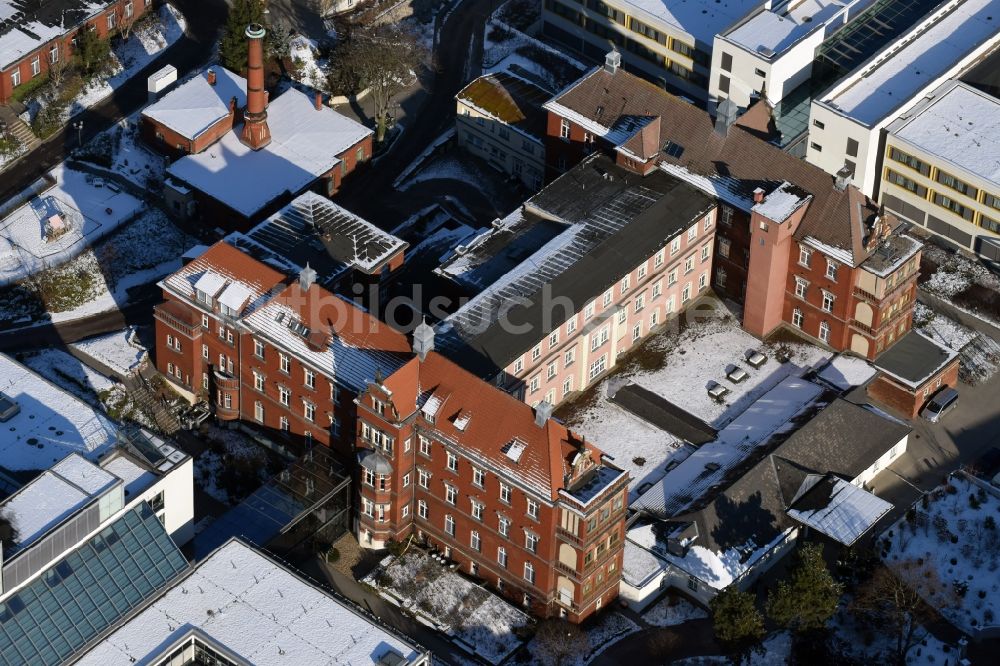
845, 372
782, 202
709, 465
305, 144
196, 105
839, 510
235, 296
51, 424
209, 283
897, 73
52, 497
960, 125
770, 33
27, 26
136, 477
700, 19
258, 610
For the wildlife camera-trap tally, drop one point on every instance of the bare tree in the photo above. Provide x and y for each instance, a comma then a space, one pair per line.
383, 58
559, 640
125, 18
59, 65
895, 601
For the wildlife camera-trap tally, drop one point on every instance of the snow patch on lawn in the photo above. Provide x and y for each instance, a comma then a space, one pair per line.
120, 351
846, 372
304, 54
670, 611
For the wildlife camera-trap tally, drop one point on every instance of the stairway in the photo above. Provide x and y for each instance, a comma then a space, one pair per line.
144, 397
18, 128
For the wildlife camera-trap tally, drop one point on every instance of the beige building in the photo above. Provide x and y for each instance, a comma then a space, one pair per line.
500, 119
941, 167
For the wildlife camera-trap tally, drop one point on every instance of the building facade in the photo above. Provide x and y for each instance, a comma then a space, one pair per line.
47, 33
952, 187
285, 355
912, 372
505, 491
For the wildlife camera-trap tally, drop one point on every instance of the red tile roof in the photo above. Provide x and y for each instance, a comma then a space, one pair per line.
230, 263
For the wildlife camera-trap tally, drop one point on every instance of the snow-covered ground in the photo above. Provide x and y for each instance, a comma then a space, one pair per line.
129, 156
121, 351
477, 617
78, 210
941, 329
956, 537
69, 373
508, 49
304, 53
846, 372
979, 354
687, 363
233, 461
611, 628
143, 46
460, 167
673, 610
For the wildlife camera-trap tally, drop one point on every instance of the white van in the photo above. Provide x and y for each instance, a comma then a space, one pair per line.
943, 402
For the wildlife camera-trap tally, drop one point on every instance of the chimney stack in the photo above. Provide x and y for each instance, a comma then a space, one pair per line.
612, 61
725, 116
843, 179
210, 75
423, 339
255, 134
319, 101
758, 195
543, 412
232, 105
307, 276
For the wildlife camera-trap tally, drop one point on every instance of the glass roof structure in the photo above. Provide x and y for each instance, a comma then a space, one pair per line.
88, 591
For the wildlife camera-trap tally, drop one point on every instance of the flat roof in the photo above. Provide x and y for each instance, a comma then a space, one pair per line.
702, 20
960, 125
51, 424
305, 144
52, 497
769, 33
660, 412
893, 76
259, 611
137, 478
914, 359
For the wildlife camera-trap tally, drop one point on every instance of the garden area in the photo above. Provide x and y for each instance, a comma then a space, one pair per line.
962, 281
233, 465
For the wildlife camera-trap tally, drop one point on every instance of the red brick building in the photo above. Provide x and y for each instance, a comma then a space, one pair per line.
912, 372
241, 156
832, 265
37, 34
284, 354
504, 490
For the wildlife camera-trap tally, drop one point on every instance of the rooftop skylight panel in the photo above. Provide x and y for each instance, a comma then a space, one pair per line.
514, 449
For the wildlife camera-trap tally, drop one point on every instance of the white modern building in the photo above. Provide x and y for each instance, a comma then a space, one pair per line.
240, 607
774, 47
847, 123
942, 167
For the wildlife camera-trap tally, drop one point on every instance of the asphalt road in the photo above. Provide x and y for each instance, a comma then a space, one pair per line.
204, 20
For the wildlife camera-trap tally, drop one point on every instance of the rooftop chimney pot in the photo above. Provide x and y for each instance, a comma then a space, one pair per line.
210, 75
543, 412
843, 179
307, 276
758, 195
725, 116
319, 101
612, 61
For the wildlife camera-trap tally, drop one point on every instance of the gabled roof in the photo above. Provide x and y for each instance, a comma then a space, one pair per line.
27, 25
197, 105
488, 423
727, 165
509, 99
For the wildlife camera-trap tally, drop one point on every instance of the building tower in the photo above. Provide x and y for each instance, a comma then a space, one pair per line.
255, 133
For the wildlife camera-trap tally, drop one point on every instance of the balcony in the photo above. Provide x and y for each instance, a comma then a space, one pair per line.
225, 381
568, 536
566, 569
160, 312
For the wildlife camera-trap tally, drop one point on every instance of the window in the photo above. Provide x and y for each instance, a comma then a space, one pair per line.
672, 278
622, 315
285, 363
553, 367
637, 331
258, 381
309, 379
536, 353
902, 181
283, 423
309, 411
284, 395
532, 509
705, 251
815, 146
569, 357
449, 524
477, 510
204, 351
828, 301
727, 62
720, 277
258, 348
54, 54
15, 78
571, 326
529, 572
597, 367
608, 295
502, 556
568, 384
953, 206
36, 66
675, 246
640, 302
588, 311
819, 124
518, 365
564, 129
624, 284
909, 160
689, 264
128, 9
724, 83
553, 338
534, 384
797, 318
405, 511
824, 332
852, 147
504, 527
423, 478
505, 493
422, 509
531, 542
759, 72
702, 281
658, 261
478, 477
406, 480
831, 270
805, 256
686, 293
425, 446
724, 246
657, 288
452, 462
450, 494
474, 541
641, 273
110, 18
692, 232
801, 287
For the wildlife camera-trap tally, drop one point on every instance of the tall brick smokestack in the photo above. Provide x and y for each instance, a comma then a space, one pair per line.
255, 132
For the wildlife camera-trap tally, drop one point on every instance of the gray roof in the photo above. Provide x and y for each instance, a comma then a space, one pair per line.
914, 359
614, 219
375, 462
663, 414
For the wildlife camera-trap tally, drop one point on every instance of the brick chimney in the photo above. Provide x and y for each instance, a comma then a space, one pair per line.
758, 195
319, 101
255, 134
210, 75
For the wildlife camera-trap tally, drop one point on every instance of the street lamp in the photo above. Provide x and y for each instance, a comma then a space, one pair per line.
78, 125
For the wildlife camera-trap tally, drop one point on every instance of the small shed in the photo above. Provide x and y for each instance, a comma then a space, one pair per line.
160, 80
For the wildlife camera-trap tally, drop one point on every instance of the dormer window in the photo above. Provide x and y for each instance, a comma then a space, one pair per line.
378, 406
204, 297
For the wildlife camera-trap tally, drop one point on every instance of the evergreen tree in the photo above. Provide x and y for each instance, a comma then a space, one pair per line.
233, 45
735, 618
94, 53
809, 597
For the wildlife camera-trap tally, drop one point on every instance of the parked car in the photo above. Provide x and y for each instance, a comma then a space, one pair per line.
940, 404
